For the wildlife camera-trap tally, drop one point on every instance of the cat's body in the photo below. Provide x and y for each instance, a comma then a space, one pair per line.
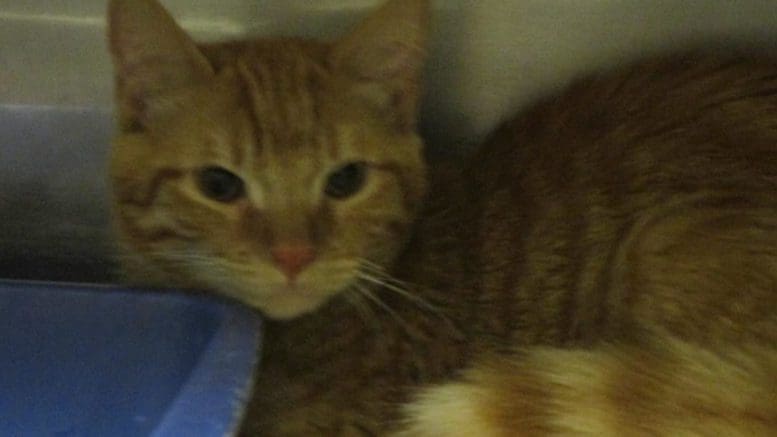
605, 264
530, 245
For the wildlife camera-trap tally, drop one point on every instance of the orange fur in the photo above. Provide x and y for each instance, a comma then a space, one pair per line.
667, 387
605, 264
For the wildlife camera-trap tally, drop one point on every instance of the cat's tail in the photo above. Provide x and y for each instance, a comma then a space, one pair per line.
665, 386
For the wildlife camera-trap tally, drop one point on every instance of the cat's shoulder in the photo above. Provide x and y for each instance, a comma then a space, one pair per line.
650, 88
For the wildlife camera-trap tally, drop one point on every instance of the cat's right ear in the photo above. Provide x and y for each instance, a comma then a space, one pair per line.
384, 55
152, 57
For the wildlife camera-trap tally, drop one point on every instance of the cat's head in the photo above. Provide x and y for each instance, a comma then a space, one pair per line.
273, 171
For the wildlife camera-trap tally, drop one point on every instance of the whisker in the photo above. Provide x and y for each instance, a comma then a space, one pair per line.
404, 293
385, 276
377, 276
363, 309
366, 292
381, 272
371, 264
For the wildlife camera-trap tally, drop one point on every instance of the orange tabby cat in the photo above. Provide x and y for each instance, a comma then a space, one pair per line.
606, 264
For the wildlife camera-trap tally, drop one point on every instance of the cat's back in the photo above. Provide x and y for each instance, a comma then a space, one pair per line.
647, 116
669, 162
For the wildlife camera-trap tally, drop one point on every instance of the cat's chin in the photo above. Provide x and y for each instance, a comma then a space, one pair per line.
286, 304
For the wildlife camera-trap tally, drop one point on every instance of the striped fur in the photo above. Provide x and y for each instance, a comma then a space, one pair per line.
282, 115
605, 264
630, 224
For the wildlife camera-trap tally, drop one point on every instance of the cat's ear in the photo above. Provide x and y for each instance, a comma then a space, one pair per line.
152, 57
384, 55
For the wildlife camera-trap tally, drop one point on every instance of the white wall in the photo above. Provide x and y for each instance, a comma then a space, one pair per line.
489, 56
521, 49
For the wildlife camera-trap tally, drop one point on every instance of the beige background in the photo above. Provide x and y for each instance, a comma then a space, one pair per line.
489, 56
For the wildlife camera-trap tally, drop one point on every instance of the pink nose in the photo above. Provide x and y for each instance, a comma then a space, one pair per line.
292, 258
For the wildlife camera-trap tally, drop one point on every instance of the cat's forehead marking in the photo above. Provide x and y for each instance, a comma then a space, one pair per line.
290, 180
297, 135
346, 140
241, 140
224, 145
284, 91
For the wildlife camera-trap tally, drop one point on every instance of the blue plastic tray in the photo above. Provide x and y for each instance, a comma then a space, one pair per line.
104, 361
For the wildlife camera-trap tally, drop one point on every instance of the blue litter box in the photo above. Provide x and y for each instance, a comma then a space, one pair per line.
103, 361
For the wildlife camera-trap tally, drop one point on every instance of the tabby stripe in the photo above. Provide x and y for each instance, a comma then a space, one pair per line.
146, 198
161, 234
237, 145
571, 304
157, 233
251, 88
605, 282
330, 139
396, 170
763, 93
635, 385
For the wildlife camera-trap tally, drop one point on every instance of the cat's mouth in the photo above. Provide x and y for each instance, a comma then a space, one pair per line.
278, 298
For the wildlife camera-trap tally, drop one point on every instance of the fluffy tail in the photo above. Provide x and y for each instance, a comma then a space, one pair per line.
664, 387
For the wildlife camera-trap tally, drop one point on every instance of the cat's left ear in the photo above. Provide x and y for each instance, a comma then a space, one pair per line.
385, 54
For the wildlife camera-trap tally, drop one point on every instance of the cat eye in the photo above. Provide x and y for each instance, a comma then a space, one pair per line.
347, 180
220, 184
